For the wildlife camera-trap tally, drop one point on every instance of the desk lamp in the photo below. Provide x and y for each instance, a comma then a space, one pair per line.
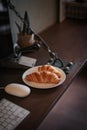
54, 59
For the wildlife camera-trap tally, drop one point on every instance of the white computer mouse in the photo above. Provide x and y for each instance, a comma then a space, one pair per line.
18, 90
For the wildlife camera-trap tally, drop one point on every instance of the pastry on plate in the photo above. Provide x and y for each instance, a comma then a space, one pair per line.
43, 77
49, 68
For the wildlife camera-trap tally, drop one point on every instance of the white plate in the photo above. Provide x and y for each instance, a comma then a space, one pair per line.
42, 85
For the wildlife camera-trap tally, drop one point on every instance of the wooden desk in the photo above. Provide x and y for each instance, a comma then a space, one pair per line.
69, 40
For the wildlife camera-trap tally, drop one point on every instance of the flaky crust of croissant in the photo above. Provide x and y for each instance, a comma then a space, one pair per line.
43, 77
50, 69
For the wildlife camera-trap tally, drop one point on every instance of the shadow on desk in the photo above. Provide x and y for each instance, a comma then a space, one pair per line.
70, 113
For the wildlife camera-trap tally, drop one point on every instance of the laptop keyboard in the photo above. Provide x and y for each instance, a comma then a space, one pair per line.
11, 115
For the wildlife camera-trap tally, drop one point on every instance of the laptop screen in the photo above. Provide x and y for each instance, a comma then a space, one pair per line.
6, 45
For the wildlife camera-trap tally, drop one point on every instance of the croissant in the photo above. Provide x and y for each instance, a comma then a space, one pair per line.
50, 69
43, 77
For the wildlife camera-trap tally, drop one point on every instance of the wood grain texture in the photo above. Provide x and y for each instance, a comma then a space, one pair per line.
69, 41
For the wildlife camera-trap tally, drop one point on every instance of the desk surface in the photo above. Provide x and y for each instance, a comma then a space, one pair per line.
69, 40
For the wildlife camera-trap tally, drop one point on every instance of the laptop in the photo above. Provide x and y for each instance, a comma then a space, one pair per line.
6, 45
8, 54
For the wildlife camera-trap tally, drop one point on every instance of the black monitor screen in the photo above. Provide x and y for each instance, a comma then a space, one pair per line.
6, 45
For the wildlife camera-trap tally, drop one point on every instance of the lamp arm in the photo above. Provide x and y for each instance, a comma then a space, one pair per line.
12, 7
